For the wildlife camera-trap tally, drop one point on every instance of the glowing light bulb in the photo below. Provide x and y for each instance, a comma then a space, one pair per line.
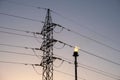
76, 49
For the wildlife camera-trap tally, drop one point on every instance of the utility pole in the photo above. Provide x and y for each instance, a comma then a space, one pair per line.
47, 47
75, 54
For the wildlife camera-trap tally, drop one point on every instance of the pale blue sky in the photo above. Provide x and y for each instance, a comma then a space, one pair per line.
97, 19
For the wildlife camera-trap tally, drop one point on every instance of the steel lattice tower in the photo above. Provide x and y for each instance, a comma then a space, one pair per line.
47, 47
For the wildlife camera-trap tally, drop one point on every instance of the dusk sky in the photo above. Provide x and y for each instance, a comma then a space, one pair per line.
94, 27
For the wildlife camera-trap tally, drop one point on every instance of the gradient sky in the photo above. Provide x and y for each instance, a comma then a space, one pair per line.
97, 19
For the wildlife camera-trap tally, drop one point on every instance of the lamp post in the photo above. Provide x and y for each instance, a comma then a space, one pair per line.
75, 54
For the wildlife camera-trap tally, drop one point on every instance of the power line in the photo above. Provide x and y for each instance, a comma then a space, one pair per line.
26, 31
83, 51
96, 41
33, 48
91, 54
18, 53
58, 71
36, 7
21, 17
68, 74
86, 37
67, 30
24, 48
39, 65
8, 62
71, 20
98, 71
17, 30
59, 64
59, 47
92, 69
11, 52
34, 67
38, 56
16, 63
37, 38
68, 61
16, 34
36, 70
17, 46
26, 5
108, 75
64, 18
27, 47
99, 57
62, 27
71, 47
34, 33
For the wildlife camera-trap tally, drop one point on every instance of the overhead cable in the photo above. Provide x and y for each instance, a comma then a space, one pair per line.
68, 30
36, 70
38, 56
89, 38
59, 64
71, 47
34, 67
21, 17
26, 5
3, 27
68, 74
70, 62
15, 63
17, 46
91, 54
85, 66
99, 57
17, 34
102, 72
71, 20
93, 69
11, 52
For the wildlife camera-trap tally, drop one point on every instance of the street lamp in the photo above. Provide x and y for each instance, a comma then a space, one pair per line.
75, 54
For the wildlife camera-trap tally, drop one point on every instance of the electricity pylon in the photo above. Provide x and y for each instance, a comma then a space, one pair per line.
47, 47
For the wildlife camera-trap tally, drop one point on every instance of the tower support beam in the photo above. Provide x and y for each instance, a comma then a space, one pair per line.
47, 47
